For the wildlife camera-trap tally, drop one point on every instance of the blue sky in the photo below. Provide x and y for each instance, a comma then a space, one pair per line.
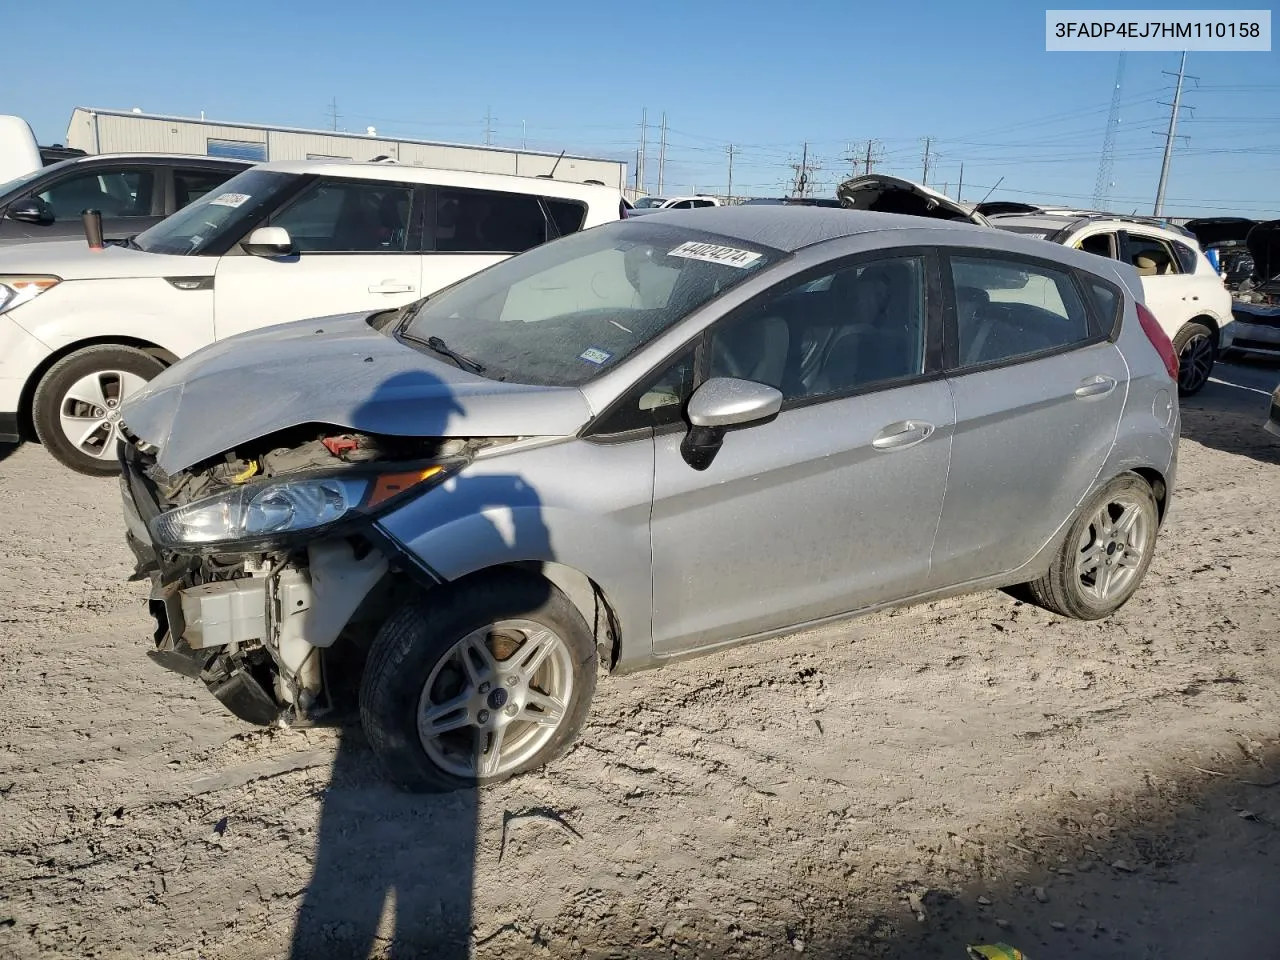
765, 77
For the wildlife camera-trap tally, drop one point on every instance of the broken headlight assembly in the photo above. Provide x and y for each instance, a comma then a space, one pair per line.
270, 512
17, 290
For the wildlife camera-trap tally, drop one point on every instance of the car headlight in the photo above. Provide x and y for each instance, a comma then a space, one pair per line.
17, 290
274, 510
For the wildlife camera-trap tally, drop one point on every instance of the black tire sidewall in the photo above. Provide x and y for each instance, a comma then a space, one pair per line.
424, 629
1184, 336
1084, 606
59, 378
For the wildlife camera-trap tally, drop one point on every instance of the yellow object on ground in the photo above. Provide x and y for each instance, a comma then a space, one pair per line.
996, 951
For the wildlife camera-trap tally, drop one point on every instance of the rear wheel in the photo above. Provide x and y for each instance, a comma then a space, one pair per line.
76, 408
478, 682
1105, 555
1196, 355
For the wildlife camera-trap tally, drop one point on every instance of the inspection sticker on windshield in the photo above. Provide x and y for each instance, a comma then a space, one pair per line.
229, 199
595, 355
714, 253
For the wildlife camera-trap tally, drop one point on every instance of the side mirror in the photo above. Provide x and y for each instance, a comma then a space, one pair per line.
720, 405
268, 242
31, 210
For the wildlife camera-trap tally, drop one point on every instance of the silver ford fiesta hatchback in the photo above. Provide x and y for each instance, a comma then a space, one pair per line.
644, 441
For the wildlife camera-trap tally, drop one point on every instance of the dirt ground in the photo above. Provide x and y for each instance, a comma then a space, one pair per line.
898, 786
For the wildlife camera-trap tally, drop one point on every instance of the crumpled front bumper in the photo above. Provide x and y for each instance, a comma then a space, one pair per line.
255, 640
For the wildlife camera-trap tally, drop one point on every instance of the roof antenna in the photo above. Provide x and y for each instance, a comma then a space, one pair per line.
990, 192
552, 174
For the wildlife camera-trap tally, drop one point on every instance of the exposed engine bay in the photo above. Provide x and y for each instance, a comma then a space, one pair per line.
277, 631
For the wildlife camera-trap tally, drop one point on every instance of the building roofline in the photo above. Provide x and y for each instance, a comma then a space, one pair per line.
347, 134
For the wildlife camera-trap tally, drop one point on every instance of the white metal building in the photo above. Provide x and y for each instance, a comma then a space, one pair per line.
123, 131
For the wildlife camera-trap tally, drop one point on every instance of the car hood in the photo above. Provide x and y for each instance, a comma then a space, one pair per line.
1264, 244
1220, 231
894, 195
74, 260
333, 370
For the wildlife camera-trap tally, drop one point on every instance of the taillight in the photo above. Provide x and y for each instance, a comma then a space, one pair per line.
1160, 340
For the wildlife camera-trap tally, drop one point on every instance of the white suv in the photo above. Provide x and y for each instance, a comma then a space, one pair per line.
1181, 286
81, 329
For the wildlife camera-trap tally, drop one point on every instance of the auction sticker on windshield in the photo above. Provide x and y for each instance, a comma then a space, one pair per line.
229, 199
714, 253
595, 355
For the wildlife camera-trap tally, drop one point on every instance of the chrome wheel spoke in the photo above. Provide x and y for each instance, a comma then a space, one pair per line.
476, 648
489, 755
546, 711
88, 390
1128, 518
1091, 559
443, 717
1103, 584
533, 654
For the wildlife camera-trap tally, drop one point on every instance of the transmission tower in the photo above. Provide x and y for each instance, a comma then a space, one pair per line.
1102, 186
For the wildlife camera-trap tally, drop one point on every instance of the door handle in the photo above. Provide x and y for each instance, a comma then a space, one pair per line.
1098, 386
390, 286
905, 433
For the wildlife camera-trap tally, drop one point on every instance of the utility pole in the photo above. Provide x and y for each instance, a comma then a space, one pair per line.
928, 142
644, 127
801, 186
333, 114
1168, 142
867, 167
488, 126
662, 151
524, 134
960, 186
729, 189
1106, 162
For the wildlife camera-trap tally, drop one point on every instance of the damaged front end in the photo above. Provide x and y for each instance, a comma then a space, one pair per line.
269, 577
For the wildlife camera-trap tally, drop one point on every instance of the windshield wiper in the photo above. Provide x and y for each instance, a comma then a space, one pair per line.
440, 347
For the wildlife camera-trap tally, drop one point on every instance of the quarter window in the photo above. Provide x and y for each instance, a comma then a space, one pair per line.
1007, 309
349, 217
569, 215
859, 327
1187, 258
487, 221
657, 401
115, 193
1151, 256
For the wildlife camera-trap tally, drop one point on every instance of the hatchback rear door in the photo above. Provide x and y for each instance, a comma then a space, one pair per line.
1039, 388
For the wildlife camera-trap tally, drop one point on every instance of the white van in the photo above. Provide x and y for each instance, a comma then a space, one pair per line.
81, 329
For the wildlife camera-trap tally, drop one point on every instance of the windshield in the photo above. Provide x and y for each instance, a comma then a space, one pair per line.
223, 210
645, 203
565, 312
17, 183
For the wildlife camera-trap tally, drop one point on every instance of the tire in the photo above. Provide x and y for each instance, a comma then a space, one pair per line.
1064, 590
101, 377
1197, 352
414, 665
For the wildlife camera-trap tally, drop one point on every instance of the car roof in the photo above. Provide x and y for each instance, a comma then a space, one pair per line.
1060, 221
790, 228
405, 173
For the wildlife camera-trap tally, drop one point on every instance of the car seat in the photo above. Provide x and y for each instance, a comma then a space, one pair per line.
752, 349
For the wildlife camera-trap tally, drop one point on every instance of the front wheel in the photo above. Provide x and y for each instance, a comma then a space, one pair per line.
477, 682
1196, 355
76, 408
1105, 555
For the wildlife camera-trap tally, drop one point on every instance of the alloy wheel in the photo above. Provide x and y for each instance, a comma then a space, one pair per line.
495, 699
1112, 548
1195, 362
89, 413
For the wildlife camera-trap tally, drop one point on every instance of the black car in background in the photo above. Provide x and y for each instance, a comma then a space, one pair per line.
132, 191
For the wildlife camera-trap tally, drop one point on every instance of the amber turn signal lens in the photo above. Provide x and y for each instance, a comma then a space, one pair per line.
389, 485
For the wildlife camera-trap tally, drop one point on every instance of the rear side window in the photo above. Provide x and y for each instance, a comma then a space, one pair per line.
1107, 304
1187, 258
1151, 256
569, 215
1009, 309
487, 221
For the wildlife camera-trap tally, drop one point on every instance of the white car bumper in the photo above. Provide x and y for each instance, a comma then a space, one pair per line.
20, 354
